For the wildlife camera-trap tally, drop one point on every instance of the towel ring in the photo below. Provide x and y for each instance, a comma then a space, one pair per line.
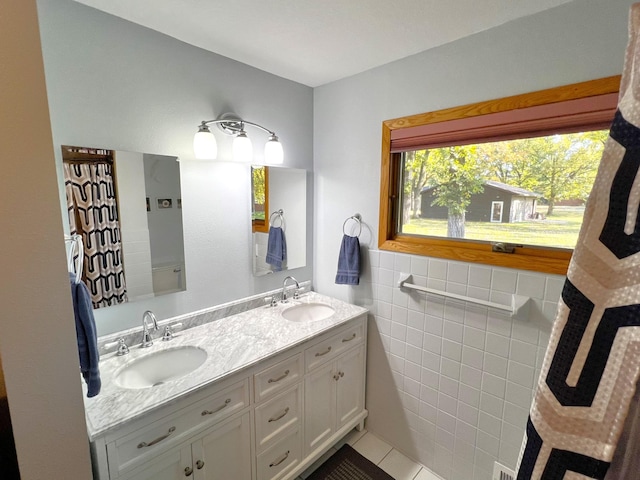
356, 218
280, 215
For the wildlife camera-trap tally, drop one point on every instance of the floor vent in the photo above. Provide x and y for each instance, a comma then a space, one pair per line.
500, 472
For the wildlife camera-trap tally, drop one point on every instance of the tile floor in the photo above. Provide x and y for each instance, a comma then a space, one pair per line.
382, 454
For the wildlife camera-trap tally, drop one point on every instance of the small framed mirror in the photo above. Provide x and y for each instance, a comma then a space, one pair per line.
278, 219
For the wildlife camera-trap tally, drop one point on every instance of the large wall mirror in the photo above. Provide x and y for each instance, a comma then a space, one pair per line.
278, 218
127, 209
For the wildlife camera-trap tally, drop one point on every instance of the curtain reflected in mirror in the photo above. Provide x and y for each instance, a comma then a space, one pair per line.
93, 215
127, 209
278, 218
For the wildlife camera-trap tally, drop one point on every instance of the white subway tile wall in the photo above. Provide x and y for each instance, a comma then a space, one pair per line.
464, 374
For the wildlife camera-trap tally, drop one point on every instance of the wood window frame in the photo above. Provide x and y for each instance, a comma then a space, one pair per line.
540, 259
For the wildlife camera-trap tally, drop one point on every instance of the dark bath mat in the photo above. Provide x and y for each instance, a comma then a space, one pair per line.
347, 464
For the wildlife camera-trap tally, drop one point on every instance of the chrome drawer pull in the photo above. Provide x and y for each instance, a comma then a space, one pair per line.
274, 380
199, 464
278, 462
275, 419
157, 440
211, 412
344, 340
323, 353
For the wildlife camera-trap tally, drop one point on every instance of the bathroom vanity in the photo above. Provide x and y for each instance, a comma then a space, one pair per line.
272, 395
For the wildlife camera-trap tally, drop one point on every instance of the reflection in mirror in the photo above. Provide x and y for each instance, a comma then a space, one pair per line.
278, 218
127, 208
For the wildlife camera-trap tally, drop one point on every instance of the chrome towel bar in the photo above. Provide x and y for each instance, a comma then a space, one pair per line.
519, 307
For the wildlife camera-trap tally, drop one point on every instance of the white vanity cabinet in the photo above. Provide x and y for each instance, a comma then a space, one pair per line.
268, 421
334, 395
224, 452
220, 453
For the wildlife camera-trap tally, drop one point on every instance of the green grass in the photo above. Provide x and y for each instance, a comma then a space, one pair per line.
559, 230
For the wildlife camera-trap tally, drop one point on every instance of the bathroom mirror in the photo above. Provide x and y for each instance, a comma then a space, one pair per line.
127, 208
278, 200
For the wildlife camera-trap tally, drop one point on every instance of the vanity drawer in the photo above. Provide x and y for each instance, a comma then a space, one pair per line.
143, 443
277, 377
281, 458
333, 346
277, 415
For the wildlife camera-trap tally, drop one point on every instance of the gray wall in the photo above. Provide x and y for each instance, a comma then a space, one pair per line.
117, 85
420, 348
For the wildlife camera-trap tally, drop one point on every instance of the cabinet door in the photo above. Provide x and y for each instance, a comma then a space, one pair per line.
350, 386
172, 465
224, 453
319, 406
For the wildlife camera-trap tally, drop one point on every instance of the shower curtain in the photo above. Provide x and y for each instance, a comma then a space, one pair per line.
93, 213
592, 364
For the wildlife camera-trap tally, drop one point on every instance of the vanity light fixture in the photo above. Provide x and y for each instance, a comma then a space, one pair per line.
206, 148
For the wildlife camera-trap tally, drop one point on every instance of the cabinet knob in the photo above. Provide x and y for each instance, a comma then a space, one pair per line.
188, 471
199, 464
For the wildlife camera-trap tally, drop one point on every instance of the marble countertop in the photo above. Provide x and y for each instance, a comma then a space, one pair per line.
232, 344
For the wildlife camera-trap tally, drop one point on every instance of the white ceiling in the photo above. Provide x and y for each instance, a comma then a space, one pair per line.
316, 42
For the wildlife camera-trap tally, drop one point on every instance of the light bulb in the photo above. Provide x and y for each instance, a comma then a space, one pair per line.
204, 144
273, 154
242, 148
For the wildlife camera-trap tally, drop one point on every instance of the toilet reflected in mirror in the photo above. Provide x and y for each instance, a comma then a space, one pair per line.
279, 200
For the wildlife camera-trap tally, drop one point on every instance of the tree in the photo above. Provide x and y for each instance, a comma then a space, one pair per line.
415, 178
508, 162
557, 166
258, 191
455, 173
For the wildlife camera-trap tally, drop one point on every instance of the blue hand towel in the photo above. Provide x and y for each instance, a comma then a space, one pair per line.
276, 248
349, 261
86, 335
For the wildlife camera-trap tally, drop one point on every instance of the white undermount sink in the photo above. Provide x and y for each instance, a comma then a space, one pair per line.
308, 312
160, 367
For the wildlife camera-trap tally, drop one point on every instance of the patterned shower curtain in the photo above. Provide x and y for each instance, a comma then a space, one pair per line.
93, 213
592, 364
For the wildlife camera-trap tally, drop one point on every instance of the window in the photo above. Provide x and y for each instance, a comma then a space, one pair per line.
515, 170
496, 212
534, 190
259, 198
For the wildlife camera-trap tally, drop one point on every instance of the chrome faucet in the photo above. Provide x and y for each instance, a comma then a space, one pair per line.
147, 341
283, 297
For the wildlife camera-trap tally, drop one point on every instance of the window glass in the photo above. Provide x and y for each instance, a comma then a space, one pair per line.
259, 198
526, 192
